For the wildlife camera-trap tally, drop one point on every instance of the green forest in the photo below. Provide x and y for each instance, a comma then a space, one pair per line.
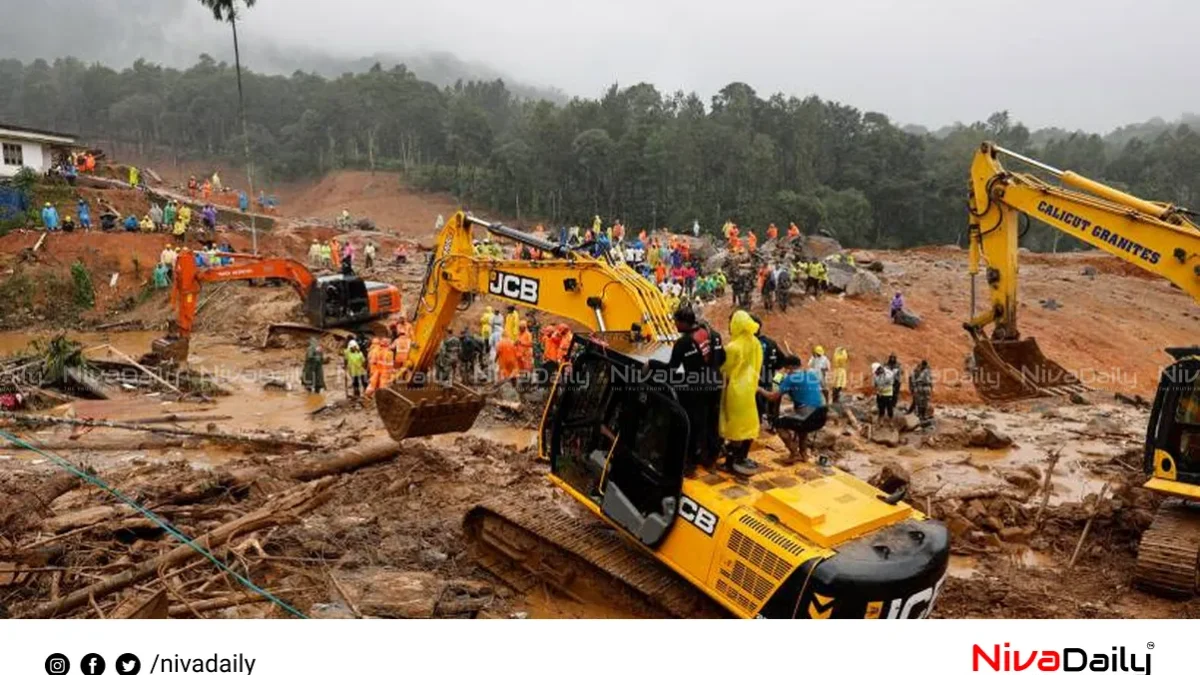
635, 153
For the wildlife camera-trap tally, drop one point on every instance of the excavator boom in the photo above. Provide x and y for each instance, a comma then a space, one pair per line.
597, 292
1153, 236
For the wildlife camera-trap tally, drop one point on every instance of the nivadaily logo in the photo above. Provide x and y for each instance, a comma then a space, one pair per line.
1068, 660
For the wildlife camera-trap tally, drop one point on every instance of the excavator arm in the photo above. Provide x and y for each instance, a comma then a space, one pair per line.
600, 293
1156, 237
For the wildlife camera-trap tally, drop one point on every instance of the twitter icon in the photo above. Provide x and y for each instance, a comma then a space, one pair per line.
129, 664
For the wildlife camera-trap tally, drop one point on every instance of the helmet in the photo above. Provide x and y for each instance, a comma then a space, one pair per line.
819, 350
874, 366
47, 203
685, 314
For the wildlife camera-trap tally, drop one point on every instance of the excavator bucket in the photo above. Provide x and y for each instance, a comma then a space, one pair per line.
411, 412
1011, 370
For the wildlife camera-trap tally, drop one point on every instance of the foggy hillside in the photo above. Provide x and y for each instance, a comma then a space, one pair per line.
175, 32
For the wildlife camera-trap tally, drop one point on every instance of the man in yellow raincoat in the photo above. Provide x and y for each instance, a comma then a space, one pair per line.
739, 410
840, 359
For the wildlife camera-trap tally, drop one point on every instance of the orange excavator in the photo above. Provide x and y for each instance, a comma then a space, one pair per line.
330, 301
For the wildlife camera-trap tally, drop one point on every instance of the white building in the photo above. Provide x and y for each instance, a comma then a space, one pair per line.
34, 148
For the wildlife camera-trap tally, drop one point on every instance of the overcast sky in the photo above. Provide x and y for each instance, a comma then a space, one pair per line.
1092, 64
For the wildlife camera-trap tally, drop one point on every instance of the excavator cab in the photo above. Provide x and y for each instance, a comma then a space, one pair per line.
619, 440
1172, 454
346, 300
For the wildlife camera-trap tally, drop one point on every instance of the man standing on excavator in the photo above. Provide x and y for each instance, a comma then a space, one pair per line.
700, 353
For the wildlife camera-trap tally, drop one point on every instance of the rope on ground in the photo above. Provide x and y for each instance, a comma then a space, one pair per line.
154, 518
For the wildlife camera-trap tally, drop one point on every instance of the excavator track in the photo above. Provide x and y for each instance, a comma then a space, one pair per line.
580, 558
1170, 551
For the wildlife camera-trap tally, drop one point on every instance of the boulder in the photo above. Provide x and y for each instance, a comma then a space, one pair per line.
908, 318
1022, 480
988, 437
840, 276
1079, 399
910, 422
875, 266
864, 283
1089, 271
819, 247
959, 526
891, 478
715, 262
886, 436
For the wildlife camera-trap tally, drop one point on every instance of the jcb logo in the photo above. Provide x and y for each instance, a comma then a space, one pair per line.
916, 606
514, 286
702, 518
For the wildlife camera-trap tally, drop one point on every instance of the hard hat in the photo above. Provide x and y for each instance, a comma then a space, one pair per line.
874, 366
47, 203
819, 350
353, 344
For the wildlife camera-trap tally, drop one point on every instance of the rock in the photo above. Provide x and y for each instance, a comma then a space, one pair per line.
993, 523
976, 511
864, 283
987, 437
985, 539
1136, 400
910, 422
519, 615
1088, 271
887, 437
840, 275
1014, 535
907, 318
326, 611
1079, 399
959, 526
891, 478
1050, 304
1021, 480
393, 594
819, 247
875, 266
1033, 471
1103, 426
432, 556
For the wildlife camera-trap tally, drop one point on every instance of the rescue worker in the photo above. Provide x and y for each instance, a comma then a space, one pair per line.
192, 187
84, 214
313, 376
356, 367
131, 223
525, 349
840, 376
772, 232
819, 363
401, 345
470, 348
897, 306
921, 384
893, 365
135, 177
383, 374
206, 190
767, 287
792, 231
507, 362
170, 214
700, 354
181, 224
156, 216
884, 386
821, 273
326, 255
68, 224
160, 276
809, 410
512, 324
314, 254
243, 201
783, 287
50, 217
449, 356
766, 377
739, 413
485, 326
369, 254
146, 225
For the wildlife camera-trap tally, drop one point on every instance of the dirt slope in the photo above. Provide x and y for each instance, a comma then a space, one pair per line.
379, 196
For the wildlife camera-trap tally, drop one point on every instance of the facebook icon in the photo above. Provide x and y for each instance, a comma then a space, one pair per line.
92, 664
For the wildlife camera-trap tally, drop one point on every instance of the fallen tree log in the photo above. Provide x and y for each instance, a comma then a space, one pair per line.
176, 418
242, 438
280, 510
125, 357
349, 460
180, 611
24, 510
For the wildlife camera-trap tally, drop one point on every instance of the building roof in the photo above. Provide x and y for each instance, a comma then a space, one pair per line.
29, 133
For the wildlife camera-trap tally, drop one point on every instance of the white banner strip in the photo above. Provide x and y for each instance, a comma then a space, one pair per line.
582, 647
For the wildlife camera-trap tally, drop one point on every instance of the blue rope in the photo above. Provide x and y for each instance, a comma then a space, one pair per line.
154, 518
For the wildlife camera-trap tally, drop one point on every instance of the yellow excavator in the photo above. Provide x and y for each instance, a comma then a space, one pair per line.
793, 541
1158, 237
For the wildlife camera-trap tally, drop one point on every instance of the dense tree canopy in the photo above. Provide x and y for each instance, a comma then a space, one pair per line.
635, 153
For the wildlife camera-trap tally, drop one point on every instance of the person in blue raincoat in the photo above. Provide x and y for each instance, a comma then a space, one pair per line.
84, 215
50, 217
243, 201
131, 223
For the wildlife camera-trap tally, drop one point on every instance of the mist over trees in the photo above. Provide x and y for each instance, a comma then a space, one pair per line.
635, 153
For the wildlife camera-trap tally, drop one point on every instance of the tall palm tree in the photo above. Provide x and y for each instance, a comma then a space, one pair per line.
226, 10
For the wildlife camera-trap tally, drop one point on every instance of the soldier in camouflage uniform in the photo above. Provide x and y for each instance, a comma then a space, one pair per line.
446, 361
921, 384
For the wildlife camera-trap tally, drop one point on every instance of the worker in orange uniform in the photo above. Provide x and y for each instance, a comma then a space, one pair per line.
793, 231
525, 349
375, 366
550, 351
402, 345
660, 273
506, 358
751, 241
772, 231
206, 190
